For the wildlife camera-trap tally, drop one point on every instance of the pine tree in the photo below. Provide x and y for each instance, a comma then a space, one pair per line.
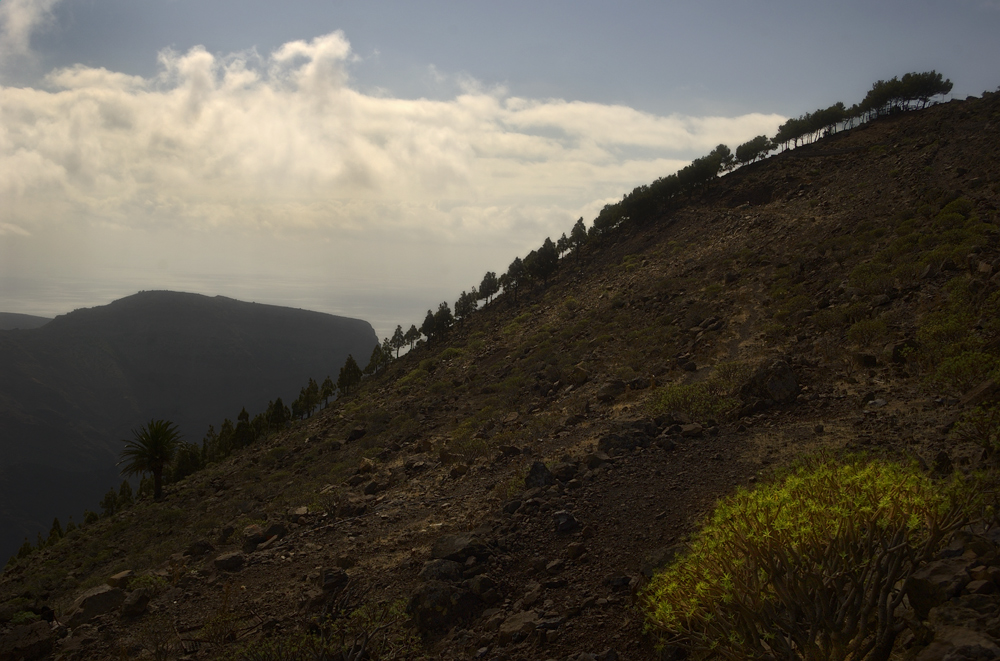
412, 335
349, 377
55, 532
398, 340
327, 390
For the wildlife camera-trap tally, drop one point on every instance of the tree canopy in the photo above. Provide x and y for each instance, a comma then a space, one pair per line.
152, 447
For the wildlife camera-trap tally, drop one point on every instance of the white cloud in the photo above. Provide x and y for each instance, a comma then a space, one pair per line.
18, 19
260, 148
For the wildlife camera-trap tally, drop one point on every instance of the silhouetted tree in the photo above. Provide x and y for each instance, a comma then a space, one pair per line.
489, 286
754, 149
443, 319
466, 304
515, 276
412, 335
55, 532
578, 237
427, 328
125, 496
398, 340
546, 261
187, 462
151, 449
109, 504
327, 390
349, 377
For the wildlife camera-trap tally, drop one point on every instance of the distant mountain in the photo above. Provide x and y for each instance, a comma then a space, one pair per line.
71, 390
15, 321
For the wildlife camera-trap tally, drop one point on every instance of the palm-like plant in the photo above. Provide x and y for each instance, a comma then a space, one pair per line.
152, 447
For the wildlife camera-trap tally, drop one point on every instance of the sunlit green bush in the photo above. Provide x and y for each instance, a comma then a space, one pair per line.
808, 567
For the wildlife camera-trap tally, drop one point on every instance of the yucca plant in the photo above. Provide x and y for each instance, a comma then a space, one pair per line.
810, 567
151, 449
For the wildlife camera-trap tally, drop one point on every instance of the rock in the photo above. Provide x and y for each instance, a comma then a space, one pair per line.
659, 558
565, 522
517, 627
597, 459
135, 603
372, 488
441, 570
564, 471
333, 579
638, 383
959, 644
458, 471
481, 585
575, 550
356, 434
512, 507
278, 530
295, 513
199, 548
937, 582
458, 547
942, 463
578, 376
349, 508
27, 642
346, 560
230, 562
866, 360
776, 382
121, 579
611, 390
92, 603
253, 535
538, 476
510, 450
694, 430
226, 533
438, 605
366, 466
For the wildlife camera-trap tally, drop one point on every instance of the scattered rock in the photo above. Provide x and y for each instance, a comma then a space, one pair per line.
121, 579
441, 570
92, 603
538, 476
578, 376
517, 627
937, 582
346, 560
776, 382
296, 513
611, 391
597, 459
27, 642
230, 562
356, 434
438, 605
198, 549
458, 547
333, 579
135, 603
564, 471
565, 522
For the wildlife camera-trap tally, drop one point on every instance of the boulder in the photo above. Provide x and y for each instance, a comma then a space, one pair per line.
517, 627
27, 642
135, 603
333, 579
458, 547
611, 390
578, 376
776, 382
937, 582
441, 570
230, 561
538, 476
356, 434
121, 579
278, 530
438, 605
93, 603
565, 522
199, 548
564, 471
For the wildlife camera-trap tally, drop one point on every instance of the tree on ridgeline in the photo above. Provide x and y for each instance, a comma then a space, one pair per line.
277, 415
427, 328
412, 335
578, 237
327, 390
55, 532
514, 277
466, 304
349, 377
489, 286
753, 149
398, 340
562, 245
443, 319
187, 462
151, 449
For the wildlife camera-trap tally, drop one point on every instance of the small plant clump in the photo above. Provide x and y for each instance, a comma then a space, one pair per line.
809, 567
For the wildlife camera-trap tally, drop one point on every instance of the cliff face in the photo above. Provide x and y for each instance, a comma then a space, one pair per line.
73, 388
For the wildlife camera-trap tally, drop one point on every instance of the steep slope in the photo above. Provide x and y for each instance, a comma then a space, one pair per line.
818, 299
72, 389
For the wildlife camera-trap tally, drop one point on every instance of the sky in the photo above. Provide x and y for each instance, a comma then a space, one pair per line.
373, 159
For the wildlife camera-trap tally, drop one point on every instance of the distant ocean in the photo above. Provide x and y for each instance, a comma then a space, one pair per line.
382, 308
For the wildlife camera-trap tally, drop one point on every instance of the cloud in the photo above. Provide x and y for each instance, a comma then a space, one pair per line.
18, 19
282, 145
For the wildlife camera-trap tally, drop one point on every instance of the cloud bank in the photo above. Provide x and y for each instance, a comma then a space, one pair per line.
282, 143
18, 19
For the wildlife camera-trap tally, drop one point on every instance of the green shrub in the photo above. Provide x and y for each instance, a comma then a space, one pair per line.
449, 353
807, 567
24, 617
866, 332
413, 378
696, 400
964, 371
981, 426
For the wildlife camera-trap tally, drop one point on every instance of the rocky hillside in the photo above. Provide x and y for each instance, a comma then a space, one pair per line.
503, 493
73, 388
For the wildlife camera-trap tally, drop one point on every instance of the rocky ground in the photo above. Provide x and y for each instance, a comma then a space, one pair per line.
507, 495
